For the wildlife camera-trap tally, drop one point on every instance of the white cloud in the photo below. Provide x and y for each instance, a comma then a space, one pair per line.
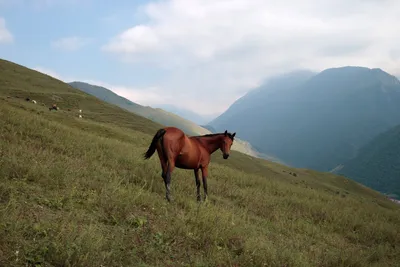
223, 48
70, 43
5, 35
143, 96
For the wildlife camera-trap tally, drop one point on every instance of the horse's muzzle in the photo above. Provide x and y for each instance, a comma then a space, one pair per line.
225, 156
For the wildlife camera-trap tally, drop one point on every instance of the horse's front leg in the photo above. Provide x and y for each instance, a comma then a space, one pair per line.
196, 176
204, 172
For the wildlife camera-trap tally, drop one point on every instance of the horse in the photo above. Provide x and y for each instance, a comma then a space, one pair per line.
176, 149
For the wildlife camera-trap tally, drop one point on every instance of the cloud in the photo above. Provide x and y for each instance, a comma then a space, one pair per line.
70, 43
143, 96
5, 35
215, 50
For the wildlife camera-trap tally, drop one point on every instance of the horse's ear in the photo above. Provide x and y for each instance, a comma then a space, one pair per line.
233, 135
226, 132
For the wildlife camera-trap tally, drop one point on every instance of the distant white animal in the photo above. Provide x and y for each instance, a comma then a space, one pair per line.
80, 111
34, 101
80, 116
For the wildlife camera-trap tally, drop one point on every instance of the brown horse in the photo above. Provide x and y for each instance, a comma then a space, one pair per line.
176, 149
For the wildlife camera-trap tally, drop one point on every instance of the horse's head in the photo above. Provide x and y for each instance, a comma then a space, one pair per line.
226, 144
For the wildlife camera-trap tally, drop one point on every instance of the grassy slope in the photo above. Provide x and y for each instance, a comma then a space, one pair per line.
159, 115
76, 192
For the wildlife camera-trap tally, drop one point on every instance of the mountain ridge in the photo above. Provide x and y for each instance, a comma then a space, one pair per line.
317, 122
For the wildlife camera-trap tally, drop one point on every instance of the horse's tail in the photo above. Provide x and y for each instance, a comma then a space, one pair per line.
152, 148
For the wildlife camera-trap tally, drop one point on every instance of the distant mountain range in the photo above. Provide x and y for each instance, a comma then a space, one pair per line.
187, 114
316, 120
161, 116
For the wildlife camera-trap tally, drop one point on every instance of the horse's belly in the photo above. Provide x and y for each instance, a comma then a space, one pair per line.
186, 162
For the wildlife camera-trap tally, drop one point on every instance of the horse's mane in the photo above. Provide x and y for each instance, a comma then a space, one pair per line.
215, 134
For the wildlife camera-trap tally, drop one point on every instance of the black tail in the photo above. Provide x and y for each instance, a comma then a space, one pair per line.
152, 148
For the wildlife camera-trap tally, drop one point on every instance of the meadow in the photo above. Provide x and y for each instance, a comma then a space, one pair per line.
77, 192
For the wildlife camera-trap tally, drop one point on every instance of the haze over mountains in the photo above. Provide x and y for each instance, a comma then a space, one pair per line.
162, 117
156, 114
316, 121
187, 114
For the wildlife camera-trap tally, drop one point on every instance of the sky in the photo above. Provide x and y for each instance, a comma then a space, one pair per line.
199, 55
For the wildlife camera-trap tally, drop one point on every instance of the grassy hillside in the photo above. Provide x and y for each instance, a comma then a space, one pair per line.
377, 164
159, 115
76, 192
318, 122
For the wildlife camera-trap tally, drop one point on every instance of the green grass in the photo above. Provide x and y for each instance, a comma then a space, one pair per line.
76, 192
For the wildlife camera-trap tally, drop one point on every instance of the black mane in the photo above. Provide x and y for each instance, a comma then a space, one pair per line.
215, 134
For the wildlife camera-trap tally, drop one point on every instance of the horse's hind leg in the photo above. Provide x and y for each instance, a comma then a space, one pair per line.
165, 173
167, 179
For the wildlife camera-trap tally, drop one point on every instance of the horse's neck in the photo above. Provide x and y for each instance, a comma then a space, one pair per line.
211, 144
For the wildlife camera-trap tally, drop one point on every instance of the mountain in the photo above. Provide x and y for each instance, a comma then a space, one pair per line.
187, 114
77, 192
161, 116
210, 128
156, 114
377, 164
316, 121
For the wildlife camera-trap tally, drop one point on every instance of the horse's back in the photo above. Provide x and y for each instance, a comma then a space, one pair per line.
173, 131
